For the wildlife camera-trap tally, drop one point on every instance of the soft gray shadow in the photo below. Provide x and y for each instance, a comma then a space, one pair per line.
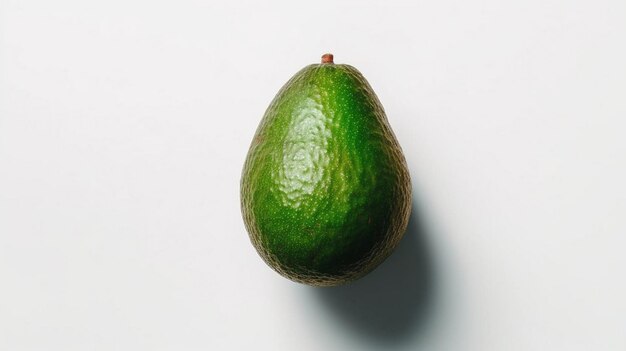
390, 304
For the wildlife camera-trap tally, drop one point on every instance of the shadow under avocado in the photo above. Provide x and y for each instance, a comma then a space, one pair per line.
389, 304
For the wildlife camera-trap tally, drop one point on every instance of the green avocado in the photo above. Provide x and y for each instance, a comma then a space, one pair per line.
325, 190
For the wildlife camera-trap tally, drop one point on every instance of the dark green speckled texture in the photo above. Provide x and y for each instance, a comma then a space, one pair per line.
325, 190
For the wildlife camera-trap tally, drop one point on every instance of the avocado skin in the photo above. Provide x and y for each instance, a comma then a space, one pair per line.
325, 190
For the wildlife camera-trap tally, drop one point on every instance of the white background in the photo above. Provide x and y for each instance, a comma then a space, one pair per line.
124, 126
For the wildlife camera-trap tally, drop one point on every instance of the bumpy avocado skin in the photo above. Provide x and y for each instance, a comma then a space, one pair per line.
325, 190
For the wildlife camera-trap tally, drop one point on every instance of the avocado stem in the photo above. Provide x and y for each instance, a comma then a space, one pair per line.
327, 58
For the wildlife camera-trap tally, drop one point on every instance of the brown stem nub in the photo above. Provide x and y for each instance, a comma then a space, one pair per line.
327, 58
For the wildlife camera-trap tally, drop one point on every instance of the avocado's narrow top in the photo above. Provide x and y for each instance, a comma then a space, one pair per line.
327, 58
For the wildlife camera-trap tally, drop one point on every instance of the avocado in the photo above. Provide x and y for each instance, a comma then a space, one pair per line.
325, 189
